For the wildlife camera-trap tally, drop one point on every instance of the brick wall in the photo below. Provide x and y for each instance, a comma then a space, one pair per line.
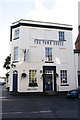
77, 43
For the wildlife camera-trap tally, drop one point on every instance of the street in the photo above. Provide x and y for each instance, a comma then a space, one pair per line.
39, 106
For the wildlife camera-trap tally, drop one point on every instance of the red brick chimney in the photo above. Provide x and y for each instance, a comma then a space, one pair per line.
77, 43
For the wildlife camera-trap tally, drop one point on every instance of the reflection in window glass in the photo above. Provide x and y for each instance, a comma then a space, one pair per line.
48, 54
63, 76
16, 34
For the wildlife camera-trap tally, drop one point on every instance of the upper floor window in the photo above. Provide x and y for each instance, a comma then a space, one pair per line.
16, 54
16, 34
48, 54
61, 35
63, 76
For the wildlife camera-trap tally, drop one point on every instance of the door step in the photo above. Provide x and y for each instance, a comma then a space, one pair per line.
51, 93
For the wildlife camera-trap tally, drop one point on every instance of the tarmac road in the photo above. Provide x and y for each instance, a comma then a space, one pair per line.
39, 106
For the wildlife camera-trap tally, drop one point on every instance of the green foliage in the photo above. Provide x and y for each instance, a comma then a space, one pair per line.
56, 75
7, 62
23, 75
12, 65
43, 76
33, 84
7, 75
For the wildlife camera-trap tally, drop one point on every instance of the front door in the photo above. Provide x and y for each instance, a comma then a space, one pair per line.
15, 78
48, 82
78, 80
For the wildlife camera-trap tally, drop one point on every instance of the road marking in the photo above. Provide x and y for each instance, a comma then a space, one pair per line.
12, 113
41, 111
45, 111
5, 98
33, 112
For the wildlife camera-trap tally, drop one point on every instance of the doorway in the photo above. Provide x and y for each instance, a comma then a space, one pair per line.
78, 80
15, 80
48, 82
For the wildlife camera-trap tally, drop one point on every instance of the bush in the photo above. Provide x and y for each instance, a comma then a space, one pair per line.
33, 84
23, 75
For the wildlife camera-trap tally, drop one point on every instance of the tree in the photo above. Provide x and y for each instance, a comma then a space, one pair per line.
7, 62
7, 67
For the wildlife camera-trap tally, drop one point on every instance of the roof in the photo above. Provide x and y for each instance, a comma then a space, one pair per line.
41, 24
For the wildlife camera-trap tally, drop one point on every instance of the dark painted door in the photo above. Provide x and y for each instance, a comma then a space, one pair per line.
48, 82
15, 78
78, 80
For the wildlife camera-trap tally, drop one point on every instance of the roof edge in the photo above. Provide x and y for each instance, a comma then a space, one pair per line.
33, 21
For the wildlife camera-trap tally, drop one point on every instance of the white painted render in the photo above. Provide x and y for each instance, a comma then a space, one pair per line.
79, 62
62, 56
76, 68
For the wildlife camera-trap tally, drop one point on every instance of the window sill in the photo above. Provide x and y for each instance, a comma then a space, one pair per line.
49, 61
32, 86
62, 40
16, 38
64, 84
14, 61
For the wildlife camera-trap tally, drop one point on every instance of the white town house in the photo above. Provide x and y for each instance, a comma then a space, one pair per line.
42, 57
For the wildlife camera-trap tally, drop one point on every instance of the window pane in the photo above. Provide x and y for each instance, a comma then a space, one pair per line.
16, 53
61, 35
16, 33
32, 76
63, 76
48, 54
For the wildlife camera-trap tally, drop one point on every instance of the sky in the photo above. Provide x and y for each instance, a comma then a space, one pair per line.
56, 11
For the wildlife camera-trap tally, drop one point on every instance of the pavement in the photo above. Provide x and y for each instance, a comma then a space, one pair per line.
11, 95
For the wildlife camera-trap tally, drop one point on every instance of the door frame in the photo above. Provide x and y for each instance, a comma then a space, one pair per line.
54, 70
51, 82
15, 81
78, 80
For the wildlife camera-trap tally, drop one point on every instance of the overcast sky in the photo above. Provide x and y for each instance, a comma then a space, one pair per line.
57, 11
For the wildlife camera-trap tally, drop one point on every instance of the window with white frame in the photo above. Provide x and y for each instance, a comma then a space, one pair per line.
16, 34
61, 35
48, 54
63, 76
15, 53
49, 72
32, 76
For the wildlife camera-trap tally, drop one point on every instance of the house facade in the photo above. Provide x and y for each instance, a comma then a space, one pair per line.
42, 57
77, 56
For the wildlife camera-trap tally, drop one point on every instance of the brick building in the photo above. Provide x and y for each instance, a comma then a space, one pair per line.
77, 43
77, 56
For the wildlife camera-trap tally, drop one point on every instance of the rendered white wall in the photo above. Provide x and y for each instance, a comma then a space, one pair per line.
62, 56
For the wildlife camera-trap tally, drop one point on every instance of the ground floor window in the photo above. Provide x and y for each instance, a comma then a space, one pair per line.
32, 78
63, 76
